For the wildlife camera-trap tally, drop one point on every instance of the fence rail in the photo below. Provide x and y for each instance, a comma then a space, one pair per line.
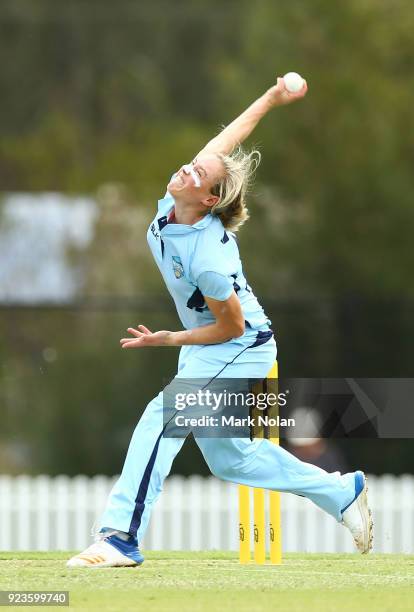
57, 513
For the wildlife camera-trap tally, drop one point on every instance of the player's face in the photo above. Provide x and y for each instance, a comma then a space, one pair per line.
194, 182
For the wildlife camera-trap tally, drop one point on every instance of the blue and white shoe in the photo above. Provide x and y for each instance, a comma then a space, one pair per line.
358, 516
109, 551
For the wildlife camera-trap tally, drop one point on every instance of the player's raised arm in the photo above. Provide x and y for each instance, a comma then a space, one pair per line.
239, 129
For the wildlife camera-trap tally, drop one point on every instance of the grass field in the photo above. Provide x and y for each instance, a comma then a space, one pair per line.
215, 581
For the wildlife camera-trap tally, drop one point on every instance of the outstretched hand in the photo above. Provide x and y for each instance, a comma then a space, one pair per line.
144, 337
278, 95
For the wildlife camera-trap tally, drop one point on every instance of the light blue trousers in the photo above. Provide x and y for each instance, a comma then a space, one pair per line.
257, 463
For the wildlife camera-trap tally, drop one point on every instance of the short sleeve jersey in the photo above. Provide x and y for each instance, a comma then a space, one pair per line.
197, 261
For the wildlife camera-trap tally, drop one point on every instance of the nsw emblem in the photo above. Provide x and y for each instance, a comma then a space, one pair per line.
177, 267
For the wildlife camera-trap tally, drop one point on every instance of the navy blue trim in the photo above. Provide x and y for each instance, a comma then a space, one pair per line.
225, 238
196, 301
143, 490
236, 286
261, 338
162, 222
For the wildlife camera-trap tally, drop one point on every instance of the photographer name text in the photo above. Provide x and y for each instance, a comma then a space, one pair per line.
232, 421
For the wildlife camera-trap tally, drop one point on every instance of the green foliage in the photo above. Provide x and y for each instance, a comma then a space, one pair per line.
125, 92
105, 95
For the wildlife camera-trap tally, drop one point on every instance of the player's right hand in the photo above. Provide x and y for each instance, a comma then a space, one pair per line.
278, 95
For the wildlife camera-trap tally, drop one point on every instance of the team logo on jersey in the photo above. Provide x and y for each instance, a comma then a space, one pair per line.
154, 232
177, 267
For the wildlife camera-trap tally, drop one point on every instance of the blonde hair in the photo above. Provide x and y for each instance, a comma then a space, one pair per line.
232, 189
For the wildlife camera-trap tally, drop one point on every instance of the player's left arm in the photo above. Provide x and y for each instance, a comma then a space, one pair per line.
229, 324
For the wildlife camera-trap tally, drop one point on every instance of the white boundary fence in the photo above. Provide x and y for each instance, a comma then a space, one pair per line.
45, 513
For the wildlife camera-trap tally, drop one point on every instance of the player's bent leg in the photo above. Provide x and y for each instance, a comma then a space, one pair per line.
109, 550
262, 464
150, 454
147, 464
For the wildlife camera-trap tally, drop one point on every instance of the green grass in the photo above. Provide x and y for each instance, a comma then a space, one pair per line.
215, 581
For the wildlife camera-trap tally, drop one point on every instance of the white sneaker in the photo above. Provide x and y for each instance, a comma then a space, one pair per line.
358, 516
109, 551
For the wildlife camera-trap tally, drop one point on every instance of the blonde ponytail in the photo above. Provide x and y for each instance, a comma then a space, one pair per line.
232, 189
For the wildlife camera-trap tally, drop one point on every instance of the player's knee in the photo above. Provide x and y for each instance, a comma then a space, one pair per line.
223, 470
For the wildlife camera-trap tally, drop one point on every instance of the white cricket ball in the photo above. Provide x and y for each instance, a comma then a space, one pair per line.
293, 82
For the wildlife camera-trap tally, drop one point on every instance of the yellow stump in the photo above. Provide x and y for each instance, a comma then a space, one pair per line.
273, 371
275, 528
275, 523
259, 516
244, 524
259, 526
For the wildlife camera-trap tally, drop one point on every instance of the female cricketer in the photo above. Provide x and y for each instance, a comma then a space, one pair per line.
226, 335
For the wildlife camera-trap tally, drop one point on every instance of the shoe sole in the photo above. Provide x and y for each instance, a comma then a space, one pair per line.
366, 515
114, 565
97, 561
102, 565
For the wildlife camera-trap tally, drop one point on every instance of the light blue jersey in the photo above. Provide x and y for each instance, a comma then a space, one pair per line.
201, 260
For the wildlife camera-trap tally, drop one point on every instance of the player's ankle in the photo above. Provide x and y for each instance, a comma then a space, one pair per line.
122, 535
